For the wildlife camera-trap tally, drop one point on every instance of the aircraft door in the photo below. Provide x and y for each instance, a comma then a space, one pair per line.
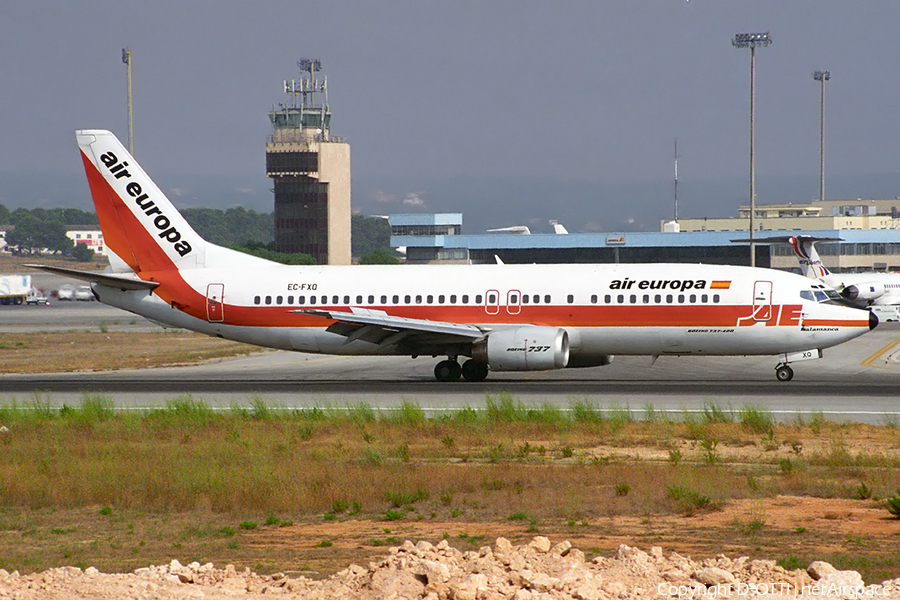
513, 302
215, 296
492, 302
762, 300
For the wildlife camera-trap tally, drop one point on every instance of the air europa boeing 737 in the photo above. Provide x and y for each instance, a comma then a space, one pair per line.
498, 317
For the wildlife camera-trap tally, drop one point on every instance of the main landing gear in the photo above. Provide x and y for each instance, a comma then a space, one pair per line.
450, 370
784, 372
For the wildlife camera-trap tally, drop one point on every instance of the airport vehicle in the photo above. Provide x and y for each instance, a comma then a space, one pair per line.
66, 292
37, 298
84, 294
14, 288
502, 317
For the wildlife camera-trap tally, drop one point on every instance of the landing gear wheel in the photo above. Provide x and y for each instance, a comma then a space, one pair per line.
784, 373
474, 371
447, 370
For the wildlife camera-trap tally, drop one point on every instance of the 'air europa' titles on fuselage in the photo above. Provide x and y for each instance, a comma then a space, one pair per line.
161, 221
666, 284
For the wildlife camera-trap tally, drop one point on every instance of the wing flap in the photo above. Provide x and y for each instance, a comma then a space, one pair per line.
378, 327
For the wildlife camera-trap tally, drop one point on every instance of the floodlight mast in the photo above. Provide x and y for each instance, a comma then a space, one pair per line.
126, 58
822, 76
752, 41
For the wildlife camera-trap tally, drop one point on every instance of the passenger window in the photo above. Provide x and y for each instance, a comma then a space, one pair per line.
716, 298
290, 300
620, 299
704, 298
407, 299
441, 299
693, 298
646, 299
371, 299
452, 298
593, 298
492, 299
607, 299
547, 299
465, 299
657, 298
312, 299
396, 299
633, 299
514, 299
334, 300
524, 298
346, 299
570, 298
680, 298
477, 298
536, 299
268, 299
324, 300
418, 299
429, 299
256, 300
384, 299
301, 299
669, 298
279, 299
359, 299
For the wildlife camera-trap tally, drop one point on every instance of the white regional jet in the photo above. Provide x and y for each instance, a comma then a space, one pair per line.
866, 289
502, 317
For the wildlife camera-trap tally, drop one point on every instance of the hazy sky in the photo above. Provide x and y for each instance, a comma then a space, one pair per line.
581, 92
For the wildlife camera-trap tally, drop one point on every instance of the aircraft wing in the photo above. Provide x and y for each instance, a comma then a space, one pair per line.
378, 327
122, 282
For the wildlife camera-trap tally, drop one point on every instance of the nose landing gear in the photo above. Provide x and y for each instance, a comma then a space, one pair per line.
784, 373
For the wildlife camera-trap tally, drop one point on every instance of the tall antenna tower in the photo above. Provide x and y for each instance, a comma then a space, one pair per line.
126, 58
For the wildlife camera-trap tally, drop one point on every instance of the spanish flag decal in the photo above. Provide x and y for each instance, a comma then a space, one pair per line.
720, 285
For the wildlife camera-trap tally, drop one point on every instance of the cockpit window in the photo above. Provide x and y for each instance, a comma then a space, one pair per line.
821, 295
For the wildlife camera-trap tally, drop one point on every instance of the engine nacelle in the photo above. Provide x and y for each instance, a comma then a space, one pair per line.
863, 291
526, 348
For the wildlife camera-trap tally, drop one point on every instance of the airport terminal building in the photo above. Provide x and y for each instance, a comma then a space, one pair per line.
868, 230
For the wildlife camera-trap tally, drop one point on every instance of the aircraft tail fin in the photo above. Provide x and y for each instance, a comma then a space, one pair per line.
140, 225
804, 246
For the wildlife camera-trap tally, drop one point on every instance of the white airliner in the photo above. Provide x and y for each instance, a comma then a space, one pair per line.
501, 317
865, 289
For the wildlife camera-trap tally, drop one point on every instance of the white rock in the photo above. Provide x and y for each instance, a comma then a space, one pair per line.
540, 543
819, 569
713, 576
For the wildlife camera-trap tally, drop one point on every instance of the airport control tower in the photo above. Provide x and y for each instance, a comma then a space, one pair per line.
311, 172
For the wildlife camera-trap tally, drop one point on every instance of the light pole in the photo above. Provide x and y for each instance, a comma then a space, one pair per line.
752, 41
126, 58
822, 76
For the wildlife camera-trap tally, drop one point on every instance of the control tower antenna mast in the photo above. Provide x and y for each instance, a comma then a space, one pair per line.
126, 58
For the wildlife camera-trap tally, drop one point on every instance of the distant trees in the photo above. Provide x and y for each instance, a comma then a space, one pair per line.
379, 256
233, 226
238, 228
32, 234
369, 234
267, 251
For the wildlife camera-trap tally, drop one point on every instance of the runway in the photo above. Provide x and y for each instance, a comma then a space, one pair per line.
857, 381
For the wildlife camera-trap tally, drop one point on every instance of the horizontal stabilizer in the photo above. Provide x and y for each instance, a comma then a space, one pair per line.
122, 282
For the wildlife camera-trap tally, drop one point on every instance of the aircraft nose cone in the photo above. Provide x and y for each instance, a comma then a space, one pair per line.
873, 320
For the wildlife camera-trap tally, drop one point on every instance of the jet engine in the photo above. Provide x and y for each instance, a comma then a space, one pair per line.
526, 348
863, 291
